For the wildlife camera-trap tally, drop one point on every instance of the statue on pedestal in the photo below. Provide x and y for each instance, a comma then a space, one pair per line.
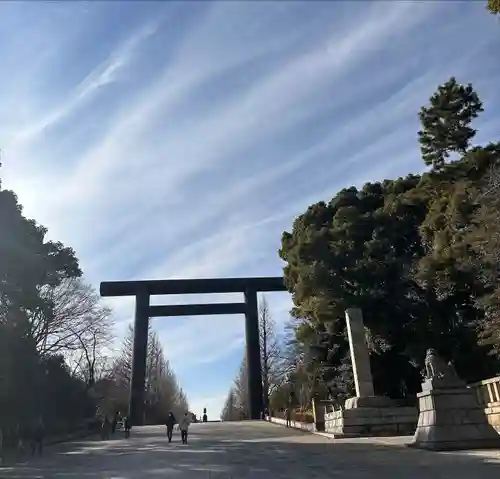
450, 416
435, 367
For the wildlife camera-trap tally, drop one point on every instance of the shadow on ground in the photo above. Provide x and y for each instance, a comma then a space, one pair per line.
248, 450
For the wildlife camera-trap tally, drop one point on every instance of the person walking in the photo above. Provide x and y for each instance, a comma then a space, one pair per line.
116, 418
1, 445
105, 428
170, 423
126, 426
288, 417
184, 427
37, 438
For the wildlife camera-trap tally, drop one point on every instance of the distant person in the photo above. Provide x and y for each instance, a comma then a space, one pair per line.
37, 437
1, 445
20, 436
105, 428
170, 423
184, 427
127, 427
116, 418
288, 416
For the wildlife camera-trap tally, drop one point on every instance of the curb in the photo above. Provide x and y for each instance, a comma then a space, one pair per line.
333, 437
307, 431
13, 457
327, 435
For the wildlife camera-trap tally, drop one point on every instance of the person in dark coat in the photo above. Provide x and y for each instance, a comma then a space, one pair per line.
288, 416
170, 423
105, 428
37, 437
115, 422
126, 426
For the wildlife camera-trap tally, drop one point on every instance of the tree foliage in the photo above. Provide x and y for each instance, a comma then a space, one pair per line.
270, 351
163, 393
273, 366
55, 336
494, 6
411, 253
240, 389
33, 382
446, 122
230, 409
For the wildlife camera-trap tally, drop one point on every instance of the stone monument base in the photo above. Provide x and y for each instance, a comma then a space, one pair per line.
371, 416
451, 418
369, 401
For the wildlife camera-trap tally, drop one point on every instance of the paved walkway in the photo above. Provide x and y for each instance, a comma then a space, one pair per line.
250, 450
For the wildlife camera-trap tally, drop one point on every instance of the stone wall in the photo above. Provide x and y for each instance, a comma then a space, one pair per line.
493, 415
394, 421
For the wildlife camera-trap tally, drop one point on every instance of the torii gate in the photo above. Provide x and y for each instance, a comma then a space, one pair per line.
143, 290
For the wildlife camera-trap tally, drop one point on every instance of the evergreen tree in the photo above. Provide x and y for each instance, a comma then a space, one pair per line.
406, 252
446, 122
33, 380
494, 6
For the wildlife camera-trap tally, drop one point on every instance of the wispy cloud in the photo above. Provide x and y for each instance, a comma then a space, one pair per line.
103, 75
192, 134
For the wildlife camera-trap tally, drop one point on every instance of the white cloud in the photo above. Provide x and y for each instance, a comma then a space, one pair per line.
178, 157
268, 99
197, 170
104, 74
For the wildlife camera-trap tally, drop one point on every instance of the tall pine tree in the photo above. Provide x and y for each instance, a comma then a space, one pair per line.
446, 122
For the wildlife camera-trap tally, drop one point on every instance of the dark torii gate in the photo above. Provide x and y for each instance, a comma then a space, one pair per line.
143, 290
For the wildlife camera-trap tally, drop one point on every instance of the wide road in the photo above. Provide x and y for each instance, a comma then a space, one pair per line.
250, 450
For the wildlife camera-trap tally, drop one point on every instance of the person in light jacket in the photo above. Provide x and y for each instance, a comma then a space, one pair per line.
184, 426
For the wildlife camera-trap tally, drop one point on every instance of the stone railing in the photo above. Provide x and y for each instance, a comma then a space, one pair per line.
399, 420
487, 391
488, 395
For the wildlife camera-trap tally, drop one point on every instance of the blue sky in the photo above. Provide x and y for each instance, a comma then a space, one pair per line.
179, 140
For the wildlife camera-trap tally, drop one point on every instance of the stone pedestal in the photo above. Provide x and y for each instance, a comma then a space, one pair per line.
319, 410
451, 418
367, 414
369, 401
372, 421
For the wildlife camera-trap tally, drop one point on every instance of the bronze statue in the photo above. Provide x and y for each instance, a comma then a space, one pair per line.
435, 366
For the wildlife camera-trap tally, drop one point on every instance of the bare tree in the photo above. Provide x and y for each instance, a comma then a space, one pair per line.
485, 241
270, 352
274, 365
76, 322
230, 411
91, 363
291, 371
240, 389
487, 224
163, 393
